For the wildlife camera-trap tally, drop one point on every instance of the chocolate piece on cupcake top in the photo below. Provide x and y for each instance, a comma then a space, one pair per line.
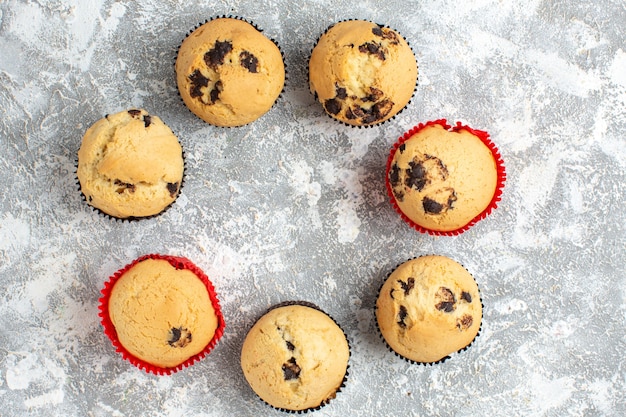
428, 308
442, 179
228, 73
362, 73
130, 165
295, 357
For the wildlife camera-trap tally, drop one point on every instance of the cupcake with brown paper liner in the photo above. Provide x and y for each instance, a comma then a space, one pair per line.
295, 357
228, 72
443, 179
428, 308
362, 73
130, 165
161, 313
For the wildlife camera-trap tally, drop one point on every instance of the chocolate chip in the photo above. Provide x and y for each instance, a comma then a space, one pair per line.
179, 337
340, 92
215, 57
408, 285
464, 322
394, 180
350, 115
385, 34
367, 115
373, 48
375, 113
402, 315
438, 165
134, 112
465, 296
394, 175
374, 95
399, 194
290, 345
172, 187
147, 119
332, 106
445, 306
446, 294
378, 31
357, 111
431, 206
446, 300
291, 370
215, 92
382, 108
416, 176
174, 335
402, 147
452, 198
124, 186
197, 82
446, 197
248, 61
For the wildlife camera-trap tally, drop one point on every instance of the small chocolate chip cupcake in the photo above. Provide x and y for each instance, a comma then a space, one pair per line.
161, 313
443, 179
362, 73
130, 165
295, 357
428, 308
228, 73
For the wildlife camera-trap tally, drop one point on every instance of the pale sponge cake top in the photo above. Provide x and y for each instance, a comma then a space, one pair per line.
295, 357
130, 164
443, 179
162, 315
428, 308
229, 73
362, 73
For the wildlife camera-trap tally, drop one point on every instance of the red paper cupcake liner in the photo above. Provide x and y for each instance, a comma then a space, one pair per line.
177, 262
497, 195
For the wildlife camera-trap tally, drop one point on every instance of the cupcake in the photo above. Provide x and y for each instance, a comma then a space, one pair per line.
161, 313
295, 357
428, 308
130, 165
228, 73
362, 73
443, 179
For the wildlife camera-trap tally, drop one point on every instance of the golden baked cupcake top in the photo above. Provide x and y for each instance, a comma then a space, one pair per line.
295, 357
428, 308
228, 73
130, 165
362, 73
162, 314
442, 179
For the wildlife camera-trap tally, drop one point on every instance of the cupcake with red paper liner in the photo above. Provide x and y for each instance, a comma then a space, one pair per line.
443, 179
161, 313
